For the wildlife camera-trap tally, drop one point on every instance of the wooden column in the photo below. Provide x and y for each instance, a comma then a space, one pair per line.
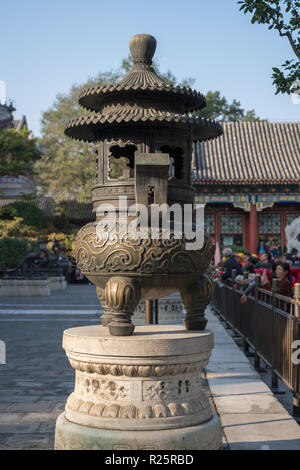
246, 228
283, 224
253, 229
149, 312
218, 227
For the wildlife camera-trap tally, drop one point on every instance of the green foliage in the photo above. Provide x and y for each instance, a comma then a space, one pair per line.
18, 235
30, 214
239, 249
217, 107
12, 251
61, 222
17, 152
16, 228
66, 240
251, 117
8, 213
67, 168
287, 82
283, 16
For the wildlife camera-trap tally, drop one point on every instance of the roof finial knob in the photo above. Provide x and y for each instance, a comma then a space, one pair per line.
142, 48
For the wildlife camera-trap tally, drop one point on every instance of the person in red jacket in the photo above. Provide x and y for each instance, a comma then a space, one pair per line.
282, 272
295, 274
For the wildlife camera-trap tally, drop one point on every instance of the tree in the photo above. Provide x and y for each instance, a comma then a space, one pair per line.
284, 16
219, 109
67, 169
17, 152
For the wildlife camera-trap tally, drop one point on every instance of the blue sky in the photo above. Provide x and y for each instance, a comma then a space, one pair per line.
48, 45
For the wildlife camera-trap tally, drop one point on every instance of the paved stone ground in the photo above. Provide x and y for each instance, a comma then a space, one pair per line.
252, 417
285, 396
76, 296
37, 379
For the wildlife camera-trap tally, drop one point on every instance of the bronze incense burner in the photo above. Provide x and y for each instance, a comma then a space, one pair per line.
144, 139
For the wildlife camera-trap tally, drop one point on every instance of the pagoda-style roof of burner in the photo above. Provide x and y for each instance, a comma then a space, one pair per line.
89, 128
136, 82
141, 98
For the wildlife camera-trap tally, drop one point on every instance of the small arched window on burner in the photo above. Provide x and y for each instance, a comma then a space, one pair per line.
121, 162
176, 161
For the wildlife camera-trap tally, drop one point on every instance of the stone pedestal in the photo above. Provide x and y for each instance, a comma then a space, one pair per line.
138, 392
169, 308
57, 283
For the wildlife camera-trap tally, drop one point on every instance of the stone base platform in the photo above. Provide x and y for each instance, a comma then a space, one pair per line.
138, 391
57, 283
31, 287
70, 436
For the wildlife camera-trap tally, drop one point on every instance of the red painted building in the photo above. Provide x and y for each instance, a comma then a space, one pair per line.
249, 181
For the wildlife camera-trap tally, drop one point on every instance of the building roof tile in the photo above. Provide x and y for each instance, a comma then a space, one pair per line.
250, 152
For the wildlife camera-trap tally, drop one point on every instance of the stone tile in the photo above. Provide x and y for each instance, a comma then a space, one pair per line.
11, 418
13, 399
18, 428
57, 396
30, 442
39, 417
233, 387
248, 404
59, 407
261, 432
48, 427
3, 440
4, 406
235, 371
228, 353
34, 407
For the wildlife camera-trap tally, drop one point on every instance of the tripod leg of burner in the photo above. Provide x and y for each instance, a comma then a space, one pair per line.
122, 295
195, 299
106, 315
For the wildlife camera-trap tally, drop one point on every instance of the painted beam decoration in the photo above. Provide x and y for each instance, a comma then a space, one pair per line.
243, 201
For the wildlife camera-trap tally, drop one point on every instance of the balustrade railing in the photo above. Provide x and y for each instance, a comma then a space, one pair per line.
270, 324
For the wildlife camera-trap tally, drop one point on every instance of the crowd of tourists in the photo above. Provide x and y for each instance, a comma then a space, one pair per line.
244, 268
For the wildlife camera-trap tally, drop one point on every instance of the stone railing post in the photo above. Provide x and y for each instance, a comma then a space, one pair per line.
297, 299
274, 377
296, 367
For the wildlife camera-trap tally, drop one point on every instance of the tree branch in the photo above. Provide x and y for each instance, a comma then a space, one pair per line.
292, 43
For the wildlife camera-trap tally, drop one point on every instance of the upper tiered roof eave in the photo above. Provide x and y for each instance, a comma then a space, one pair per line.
92, 99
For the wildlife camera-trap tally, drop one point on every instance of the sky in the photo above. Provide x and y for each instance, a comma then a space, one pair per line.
48, 45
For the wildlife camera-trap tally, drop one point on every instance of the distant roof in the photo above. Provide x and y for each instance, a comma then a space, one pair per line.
250, 153
20, 123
